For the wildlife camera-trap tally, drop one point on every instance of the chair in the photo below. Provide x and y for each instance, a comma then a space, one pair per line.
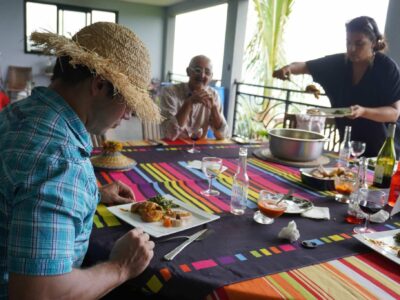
151, 131
97, 140
330, 131
19, 79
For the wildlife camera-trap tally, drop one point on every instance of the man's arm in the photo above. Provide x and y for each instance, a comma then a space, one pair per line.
129, 257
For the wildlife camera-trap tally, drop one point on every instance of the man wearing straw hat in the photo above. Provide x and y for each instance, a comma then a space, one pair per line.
48, 191
193, 105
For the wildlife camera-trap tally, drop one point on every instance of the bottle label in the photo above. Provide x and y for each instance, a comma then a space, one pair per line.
378, 175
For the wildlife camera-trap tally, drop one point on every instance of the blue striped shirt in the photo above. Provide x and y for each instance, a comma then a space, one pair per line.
48, 190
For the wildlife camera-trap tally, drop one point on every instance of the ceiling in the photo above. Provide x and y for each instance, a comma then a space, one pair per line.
155, 2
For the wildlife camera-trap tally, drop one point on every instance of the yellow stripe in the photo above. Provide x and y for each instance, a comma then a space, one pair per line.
154, 284
97, 222
296, 285
161, 174
175, 186
313, 284
152, 173
108, 217
265, 252
336, 238
228, 181
281, 290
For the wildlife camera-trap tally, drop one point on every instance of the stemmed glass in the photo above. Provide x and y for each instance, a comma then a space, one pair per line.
194, 134
370, 202
211, 168
357, 148
269, 208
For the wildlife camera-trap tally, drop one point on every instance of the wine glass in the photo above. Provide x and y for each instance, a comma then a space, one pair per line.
194, 134
269, 208
357, 148
370, 202
211, 168
344, 185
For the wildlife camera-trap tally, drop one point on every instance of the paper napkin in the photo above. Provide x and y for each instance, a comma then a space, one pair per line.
196, 164
317, 213
379, 217
290, 232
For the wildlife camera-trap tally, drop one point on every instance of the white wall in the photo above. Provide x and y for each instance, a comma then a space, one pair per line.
145, 20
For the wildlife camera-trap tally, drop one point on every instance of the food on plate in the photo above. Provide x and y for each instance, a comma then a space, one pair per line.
397, 238
322, 173
150, 211
313, 111
311, 88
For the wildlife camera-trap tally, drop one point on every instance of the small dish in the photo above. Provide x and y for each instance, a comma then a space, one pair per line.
322, 184
297, 205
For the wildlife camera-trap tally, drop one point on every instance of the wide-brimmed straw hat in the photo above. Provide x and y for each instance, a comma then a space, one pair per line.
113, 52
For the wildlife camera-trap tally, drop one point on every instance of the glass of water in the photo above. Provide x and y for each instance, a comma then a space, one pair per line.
211, 168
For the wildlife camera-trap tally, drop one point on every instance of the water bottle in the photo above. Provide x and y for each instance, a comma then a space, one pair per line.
240, 185
345, 148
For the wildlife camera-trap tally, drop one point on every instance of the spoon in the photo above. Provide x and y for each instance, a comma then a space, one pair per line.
288, 194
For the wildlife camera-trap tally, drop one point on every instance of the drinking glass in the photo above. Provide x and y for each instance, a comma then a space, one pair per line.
194, 134
269, 208
344, 185
370, 202
357, 148
211, 168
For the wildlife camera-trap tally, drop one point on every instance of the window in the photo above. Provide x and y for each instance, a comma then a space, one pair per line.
62, 19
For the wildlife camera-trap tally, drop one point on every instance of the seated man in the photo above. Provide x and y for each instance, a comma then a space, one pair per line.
187, 106
48, 191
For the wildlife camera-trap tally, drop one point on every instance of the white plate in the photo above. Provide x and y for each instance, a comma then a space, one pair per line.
374, 239
336, 112
156, 229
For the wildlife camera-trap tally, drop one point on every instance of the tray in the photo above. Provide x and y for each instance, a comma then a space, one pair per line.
156, 229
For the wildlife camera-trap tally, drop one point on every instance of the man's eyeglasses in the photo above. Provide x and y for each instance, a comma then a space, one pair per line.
199, 71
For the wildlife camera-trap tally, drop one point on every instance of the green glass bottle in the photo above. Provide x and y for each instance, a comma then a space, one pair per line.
385, 161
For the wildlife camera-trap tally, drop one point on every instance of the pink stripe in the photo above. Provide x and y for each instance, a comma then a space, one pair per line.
121, 177
204, 264
287, 247
174, 172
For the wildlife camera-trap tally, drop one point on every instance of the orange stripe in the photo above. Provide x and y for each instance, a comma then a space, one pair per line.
255, 289
275, 250
165, 172
166, 274
308, 284
185, 268
286, 286
106, 177
182, 185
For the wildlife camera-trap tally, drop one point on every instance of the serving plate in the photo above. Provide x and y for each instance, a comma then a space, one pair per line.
156, 229
382, 242
297, 205
336, 112
322, 184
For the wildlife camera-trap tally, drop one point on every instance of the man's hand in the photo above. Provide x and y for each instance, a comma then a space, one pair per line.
202, 97
116, 193
133, 252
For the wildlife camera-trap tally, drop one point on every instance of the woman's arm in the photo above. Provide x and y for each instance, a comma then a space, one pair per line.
293, 68
390, 113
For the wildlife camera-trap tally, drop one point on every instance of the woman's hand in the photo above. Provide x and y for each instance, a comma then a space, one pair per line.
282, 73
357, 111
116, 193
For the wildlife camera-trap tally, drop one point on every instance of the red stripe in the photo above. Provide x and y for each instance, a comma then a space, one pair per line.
174, 172
304, 284
382, 264
123, 178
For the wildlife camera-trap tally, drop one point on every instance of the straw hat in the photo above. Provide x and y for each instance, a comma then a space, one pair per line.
113, 52
112, 159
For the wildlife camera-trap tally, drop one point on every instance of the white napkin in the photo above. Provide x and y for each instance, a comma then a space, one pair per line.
290, 232
380, 217
196, 164
317, 213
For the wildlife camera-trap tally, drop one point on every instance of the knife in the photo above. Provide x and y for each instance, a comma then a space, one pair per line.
171, 255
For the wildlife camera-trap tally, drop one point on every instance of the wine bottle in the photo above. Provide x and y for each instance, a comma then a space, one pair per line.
345, 148
395, 187
385, 161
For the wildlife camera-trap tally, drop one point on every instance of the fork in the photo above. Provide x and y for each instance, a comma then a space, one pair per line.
178, 237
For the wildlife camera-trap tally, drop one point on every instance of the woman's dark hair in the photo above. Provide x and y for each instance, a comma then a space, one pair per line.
73, 74
368, 26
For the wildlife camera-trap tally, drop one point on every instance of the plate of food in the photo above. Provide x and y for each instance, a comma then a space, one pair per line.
322, 178
161, 215
386, 243
327, 112
296, 205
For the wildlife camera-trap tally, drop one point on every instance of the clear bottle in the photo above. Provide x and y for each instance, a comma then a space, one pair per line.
345, 148
385, 161
240, 185
394, 193
354, 213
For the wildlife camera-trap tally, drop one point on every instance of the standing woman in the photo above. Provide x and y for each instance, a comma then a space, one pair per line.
363, 78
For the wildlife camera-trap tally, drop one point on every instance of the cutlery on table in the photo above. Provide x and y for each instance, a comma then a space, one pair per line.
178, 237
285, 196
171, 255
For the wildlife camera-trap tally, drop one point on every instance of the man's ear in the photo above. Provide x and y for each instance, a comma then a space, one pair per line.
98, 85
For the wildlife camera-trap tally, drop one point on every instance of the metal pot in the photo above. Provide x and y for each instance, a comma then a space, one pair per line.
295, 144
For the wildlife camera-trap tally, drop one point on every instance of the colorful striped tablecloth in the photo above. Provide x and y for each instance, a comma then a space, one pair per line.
164, 170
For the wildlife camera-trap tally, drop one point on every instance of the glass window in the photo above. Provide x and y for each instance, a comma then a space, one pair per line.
63, 19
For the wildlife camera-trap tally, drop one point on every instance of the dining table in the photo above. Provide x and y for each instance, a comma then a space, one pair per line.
242, 259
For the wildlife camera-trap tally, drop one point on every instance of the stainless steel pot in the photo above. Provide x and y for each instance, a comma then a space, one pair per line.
295, 144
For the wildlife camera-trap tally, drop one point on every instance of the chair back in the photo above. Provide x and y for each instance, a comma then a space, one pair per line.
18, 78
97, 140
151, 131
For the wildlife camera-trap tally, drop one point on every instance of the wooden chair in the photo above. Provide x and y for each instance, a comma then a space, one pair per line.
19, 79
151, 131
330, 131
97, 140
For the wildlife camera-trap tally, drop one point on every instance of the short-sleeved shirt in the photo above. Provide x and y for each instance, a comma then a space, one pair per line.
380, 86
48, 191
172, 99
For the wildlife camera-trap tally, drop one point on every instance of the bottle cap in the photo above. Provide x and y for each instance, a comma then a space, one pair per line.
243, 151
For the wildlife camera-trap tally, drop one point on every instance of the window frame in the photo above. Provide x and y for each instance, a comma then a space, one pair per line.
59, 8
